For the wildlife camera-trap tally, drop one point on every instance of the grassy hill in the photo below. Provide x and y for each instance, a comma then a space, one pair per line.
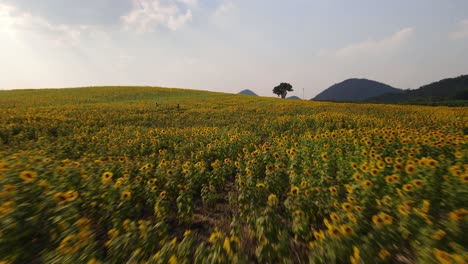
157, 175
446, 91
354, 90
247, 92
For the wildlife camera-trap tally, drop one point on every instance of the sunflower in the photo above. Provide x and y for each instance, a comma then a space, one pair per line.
442, 256
439, 234
388, 220
71, 195
276, 155
380, 165
374, 172
388, 160
303, 184
389, 180
163, 195
464, 177
324, 156
383, 254
126, 195
358, 208
367, 184
410, 169
106, 177
272, 200
333, 190
357, 176
334, 232
335, 218
260, 185
418, 183
346, 206
404, 209
351, 217
319, 235
346, 230
377, 220
397, 167
28, 176
408, 187
294, 190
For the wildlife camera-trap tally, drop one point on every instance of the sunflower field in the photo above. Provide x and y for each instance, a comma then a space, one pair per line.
157, 175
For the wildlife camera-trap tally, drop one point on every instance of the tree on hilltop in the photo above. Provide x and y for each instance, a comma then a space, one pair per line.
283, 89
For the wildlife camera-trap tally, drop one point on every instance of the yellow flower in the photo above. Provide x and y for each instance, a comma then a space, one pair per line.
126, 195
404, 209
294, 190
272, 200
367, 184
173, 259
227, 246
377, 220
335, 218
438, 235
383, 254
346, 230
346, 206
352, 218
418, 183
333, 190
187, 232
28, 176
408, 187
410, 169
442, 256
106, 177
163, 195
319, 235
425, 206
214, 236
324, 156
260, 185
334, 232
71, 195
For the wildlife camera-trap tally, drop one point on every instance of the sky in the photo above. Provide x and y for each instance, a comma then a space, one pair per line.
231, 45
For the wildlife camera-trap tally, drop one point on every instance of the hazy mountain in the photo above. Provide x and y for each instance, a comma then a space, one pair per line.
247, 92
294, 98
446, 89
355, 90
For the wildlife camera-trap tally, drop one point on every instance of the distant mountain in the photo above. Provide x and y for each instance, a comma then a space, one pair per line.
247, 92
443, 90
355, 90
293, 98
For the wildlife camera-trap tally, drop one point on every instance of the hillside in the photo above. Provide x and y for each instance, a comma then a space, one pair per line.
247, 92
354, 90
157, 175
443, 90
294, 98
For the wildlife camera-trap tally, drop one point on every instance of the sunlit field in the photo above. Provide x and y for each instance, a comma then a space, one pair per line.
152, 175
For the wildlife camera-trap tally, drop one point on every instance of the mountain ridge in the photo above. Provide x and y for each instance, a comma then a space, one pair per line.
355, 89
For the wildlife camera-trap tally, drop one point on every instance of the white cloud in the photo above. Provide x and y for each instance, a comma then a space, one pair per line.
372, 46
223, 8
149, 14
462, 31
14, 22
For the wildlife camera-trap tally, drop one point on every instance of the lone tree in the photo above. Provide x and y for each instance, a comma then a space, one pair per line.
283, 89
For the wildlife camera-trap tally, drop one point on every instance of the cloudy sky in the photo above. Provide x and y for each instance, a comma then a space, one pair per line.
231, 45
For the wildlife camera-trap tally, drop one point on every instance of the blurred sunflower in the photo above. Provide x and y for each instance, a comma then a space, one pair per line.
28, 176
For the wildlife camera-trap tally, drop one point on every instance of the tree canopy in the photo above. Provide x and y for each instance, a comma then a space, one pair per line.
283, 89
